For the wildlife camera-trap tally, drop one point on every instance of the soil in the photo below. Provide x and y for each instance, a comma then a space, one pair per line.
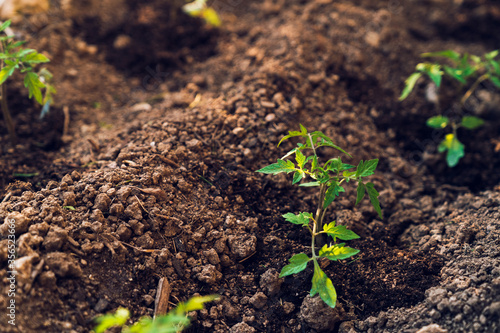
145, 167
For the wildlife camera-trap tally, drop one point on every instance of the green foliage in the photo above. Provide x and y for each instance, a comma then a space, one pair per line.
174, 321
199, 8
14, 57
463, 69
329, 179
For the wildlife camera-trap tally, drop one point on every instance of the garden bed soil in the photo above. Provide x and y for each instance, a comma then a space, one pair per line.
154, 174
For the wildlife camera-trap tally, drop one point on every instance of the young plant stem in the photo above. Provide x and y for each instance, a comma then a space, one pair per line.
474, 86
320, 213
6, 116
5, 108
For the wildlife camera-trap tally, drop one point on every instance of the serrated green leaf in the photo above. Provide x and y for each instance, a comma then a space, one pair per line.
310, 184
346, 166
475, 59
297, 176
23, 52
33, 83
337, 252
438, 122
360, 192
373, 194
450, 54
367, 168
300, 158
278, 167
300, 218
409, 85
34, 58
297, 264
332, 192
339, 231
471, 122
292, 134
323, 285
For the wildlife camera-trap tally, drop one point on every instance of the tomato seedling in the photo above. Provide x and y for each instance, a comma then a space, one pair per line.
462, 69
330, 179
14, 57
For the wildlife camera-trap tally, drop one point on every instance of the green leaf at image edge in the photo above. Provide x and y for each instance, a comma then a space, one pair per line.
297, 264
323, 285
300, 218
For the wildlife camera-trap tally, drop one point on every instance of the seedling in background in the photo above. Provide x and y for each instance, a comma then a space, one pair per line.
13, 56
464, 69
174, 321
199, 8
329, 179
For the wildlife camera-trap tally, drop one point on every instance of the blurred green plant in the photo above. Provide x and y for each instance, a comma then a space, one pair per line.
174, 321
329, 179
463, 69
14, 57
199, 8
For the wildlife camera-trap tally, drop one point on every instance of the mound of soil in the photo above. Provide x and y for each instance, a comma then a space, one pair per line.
145, 168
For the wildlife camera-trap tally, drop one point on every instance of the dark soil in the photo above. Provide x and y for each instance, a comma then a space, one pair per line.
168, 121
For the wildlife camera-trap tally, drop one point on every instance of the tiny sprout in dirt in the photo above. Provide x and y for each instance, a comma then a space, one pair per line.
330, 179
175, 321
467, 72
12, 57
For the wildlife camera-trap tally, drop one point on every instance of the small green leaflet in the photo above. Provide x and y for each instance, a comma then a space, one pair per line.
409, 85
5, 25
69, 207
471, 122
300, 219
297, 264
280, 166
4, 74
438, 122
337, 252
297, 176
194, 303
455, 149
433, 71
34, 58
291, 134
33, 83
332, 192
360, 192
300, 158
366, 168
323, 285
450, 54
373, 194
339, 231
119, 318
491, 55
310, 184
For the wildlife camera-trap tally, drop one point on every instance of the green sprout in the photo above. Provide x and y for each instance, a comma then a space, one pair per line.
174, 321
199, 8
13, 56
329, 178
463, 69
